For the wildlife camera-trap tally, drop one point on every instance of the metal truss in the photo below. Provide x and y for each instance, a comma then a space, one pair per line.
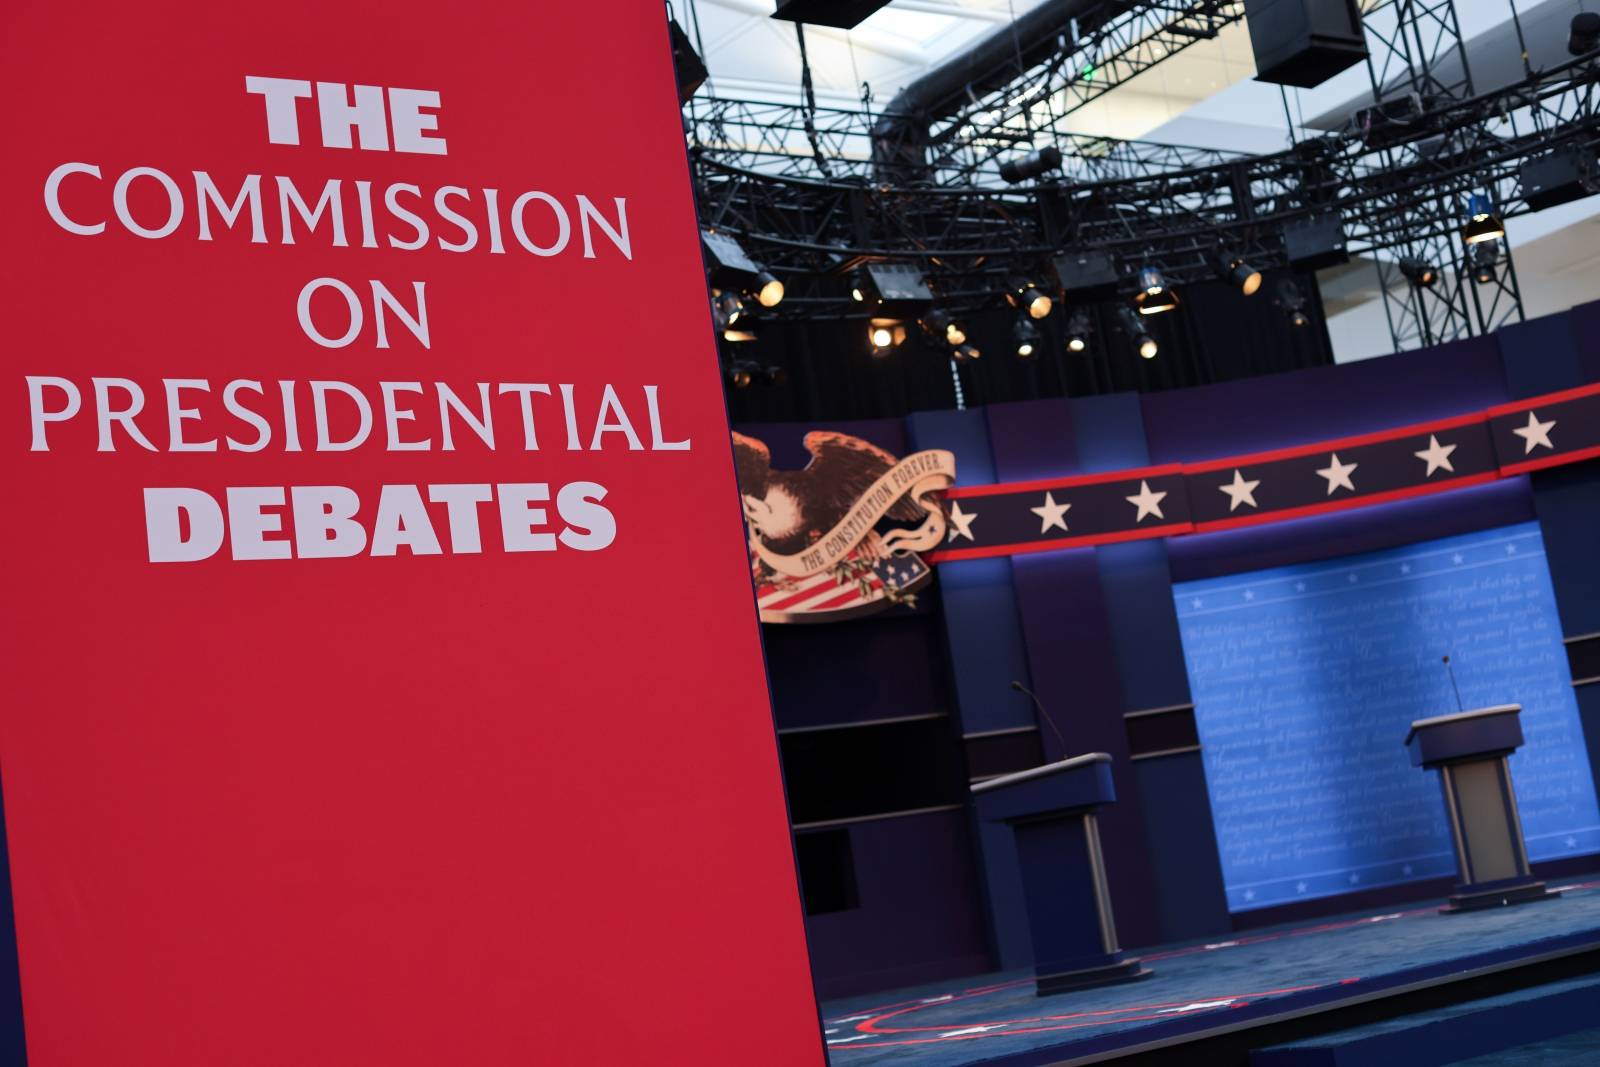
1417, 62
1115, 43
1398, 192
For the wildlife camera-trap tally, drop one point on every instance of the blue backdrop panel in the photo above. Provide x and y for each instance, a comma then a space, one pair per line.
1305, 679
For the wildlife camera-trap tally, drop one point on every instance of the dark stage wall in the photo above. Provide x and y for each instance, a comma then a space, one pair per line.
894, 713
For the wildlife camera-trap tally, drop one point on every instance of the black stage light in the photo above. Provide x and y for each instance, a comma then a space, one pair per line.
885, 335
1078, 328
1418, 272
1485, 261
858, 286
690, 68
1029, 297
732, 268
1143, 343
1236, 271
1025, 335
1293, 302
1032, 165
1482, 223
895, 287
943, 327
965, 353
741, 372
776, 375
1154, 296
768, 289
727, 307
1585, 33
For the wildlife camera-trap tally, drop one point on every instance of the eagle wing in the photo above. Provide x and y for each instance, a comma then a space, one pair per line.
752, 465
842, 469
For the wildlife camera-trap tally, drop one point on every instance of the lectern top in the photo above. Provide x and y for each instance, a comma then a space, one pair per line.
1462, 716
1058, 767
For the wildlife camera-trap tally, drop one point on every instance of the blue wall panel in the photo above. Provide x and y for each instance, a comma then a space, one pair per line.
984, 648
1306, 678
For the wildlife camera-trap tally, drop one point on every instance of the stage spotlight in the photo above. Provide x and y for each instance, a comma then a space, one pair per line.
1418, 273
964, 353
1143, 343
738, 336
727, 307
885, 335
1025, 335
769, 290
741, 373
1585, 33
1236, 271
1032, 165
1482, 223
1154, 296
1293, 302
1078, 328
858, 287
1485, 258
942, 327
776, 375
1027, 296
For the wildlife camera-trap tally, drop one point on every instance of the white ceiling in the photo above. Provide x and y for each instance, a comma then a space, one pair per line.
753, 56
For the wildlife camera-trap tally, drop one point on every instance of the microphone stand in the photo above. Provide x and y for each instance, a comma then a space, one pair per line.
1045, 715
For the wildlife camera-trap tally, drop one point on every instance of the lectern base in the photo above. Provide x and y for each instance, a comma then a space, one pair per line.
1489, 895
1127, 969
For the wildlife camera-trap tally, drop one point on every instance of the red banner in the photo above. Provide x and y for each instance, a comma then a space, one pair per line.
383, 677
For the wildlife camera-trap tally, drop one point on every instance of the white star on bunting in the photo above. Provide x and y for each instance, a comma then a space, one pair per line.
1240, 491
1436, 456
1051, 514
1148, 503
960, 522
1338, 474
1536, 434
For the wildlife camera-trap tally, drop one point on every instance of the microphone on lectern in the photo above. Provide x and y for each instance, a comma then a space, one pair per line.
1452, 672
1045, 715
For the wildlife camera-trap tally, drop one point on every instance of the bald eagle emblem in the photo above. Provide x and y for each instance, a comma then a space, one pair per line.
839, 537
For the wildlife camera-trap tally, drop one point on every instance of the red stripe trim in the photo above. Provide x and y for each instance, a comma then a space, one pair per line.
844, 598
1344, 503
1318, 447
949, 555
1064, 482
1550, 460
804, 594
1546, 400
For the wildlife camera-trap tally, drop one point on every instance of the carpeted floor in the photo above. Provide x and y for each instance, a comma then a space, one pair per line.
977, 1020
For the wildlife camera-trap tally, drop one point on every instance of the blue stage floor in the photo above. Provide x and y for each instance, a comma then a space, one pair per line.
1199, 988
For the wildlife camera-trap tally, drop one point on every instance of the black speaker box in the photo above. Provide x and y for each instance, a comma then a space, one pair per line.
1088, 275
1562, 176
1304, 42
1316, 243
844, 14
691, 71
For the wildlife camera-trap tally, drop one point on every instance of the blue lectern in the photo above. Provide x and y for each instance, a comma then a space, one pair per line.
1469, 751
1051, 811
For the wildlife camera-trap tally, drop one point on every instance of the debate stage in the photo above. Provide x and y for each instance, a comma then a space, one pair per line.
1377, 987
